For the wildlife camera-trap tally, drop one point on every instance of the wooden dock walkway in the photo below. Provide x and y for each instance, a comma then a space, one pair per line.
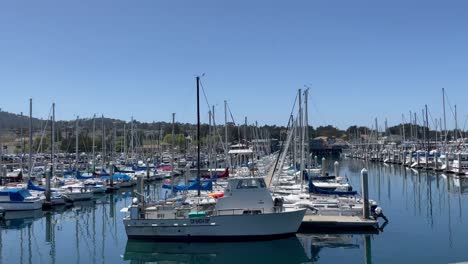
337, 223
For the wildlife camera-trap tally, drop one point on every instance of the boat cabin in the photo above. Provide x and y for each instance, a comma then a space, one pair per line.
246, 194
240, 155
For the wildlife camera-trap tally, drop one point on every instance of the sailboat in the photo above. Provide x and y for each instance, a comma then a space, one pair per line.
246, 212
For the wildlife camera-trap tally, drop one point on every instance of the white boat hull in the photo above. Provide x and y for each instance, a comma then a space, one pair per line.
224, 227
74, 197
20, 206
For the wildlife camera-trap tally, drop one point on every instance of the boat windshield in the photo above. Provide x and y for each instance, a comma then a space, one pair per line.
251, 184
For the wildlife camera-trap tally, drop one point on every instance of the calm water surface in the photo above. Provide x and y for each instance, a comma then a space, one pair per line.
427, 212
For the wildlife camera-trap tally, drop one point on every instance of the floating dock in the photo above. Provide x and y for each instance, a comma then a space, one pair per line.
313, 223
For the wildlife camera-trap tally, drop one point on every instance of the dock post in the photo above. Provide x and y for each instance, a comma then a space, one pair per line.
427, 160
337, 168
323, 166
3, 174
315, 162
147, 169
48, 177
111, 174
446, 161
417, 159
459, 170
140, 188
365, 194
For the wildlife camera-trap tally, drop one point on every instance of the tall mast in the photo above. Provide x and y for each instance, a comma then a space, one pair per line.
428, 131
416, 130
245, 130
53, 140
52, 154
132, 140
214, 136
301, 137
376, 132
445, 118
386, 132
94, 142
77, 133
198, 134
172, 153
226, 147
209, 143
411, 126
456, 124
103, 142
22, 145
423, 125
403, 126
30, 165
125, 142
114, 141
306, 101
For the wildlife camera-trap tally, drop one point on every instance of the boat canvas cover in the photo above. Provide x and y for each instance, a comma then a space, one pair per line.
118, 176
314, 189
16, 195
81, 177
207, 186
33, 187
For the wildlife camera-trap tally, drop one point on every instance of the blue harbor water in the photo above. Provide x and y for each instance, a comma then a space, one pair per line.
428, 216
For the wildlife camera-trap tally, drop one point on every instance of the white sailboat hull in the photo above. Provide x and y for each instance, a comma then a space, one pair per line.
20, 206
74, 197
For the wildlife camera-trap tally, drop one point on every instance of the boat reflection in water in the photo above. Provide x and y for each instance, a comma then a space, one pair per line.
288, 250
19, 219
314, 243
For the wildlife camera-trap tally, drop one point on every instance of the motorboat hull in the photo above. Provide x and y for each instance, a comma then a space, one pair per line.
222, 227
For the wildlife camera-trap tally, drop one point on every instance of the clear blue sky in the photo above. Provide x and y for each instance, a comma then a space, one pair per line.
363, 59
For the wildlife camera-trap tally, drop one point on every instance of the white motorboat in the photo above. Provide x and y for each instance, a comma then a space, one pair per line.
18, 200
246, 211
95, 186
76, 193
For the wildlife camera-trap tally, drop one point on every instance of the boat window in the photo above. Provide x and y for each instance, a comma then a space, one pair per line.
251, 184
252, 212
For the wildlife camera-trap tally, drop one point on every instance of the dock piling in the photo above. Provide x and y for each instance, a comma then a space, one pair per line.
446, 161
140, 188
365, 194
323, 166
337, 168
3, 174
459, 170
111, 174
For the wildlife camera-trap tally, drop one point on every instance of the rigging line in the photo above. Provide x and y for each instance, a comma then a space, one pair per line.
204, 94
283, 141
232, 117
464, 123
450, 105
432, 119
42, 137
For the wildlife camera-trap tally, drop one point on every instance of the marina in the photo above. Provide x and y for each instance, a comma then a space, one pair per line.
418, 205
180, 132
